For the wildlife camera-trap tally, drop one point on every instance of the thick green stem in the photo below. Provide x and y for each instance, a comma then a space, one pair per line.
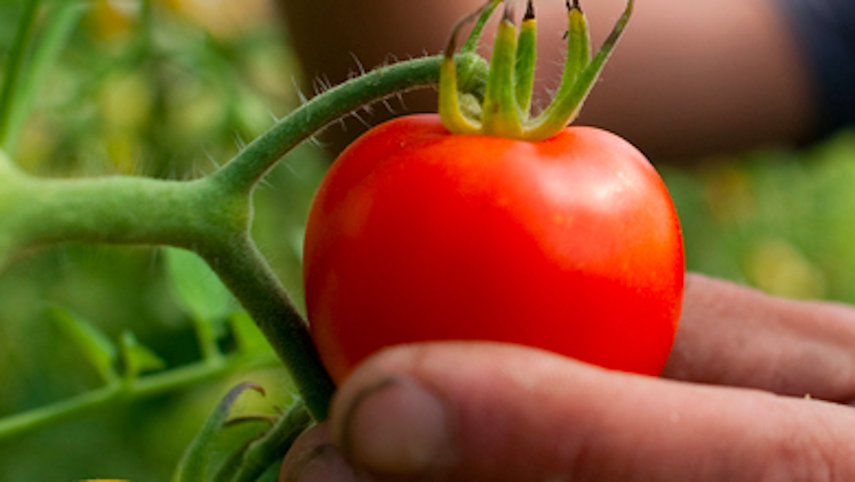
248, 276
201, 215
211, 216
251, 164
121, 210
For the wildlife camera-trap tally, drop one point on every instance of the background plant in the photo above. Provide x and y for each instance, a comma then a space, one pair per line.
162, 90
159, 90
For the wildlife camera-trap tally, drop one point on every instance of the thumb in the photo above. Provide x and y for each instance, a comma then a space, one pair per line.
490, 412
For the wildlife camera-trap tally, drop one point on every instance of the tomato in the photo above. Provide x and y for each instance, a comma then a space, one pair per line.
571, 245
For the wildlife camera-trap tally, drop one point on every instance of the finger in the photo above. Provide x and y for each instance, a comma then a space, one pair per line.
734, 335
313, 458
490, 412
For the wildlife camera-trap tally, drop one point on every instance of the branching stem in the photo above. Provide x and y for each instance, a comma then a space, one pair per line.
140, 388
251, 164
211, 216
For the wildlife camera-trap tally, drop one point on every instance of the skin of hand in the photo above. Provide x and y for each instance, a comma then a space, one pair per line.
689, 78
731, 406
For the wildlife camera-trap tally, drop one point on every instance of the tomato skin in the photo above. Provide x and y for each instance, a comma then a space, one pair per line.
571, 245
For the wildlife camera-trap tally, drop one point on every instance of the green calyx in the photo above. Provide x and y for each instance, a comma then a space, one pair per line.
506, 109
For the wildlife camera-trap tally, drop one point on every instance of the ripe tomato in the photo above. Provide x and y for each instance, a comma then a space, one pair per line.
571, 245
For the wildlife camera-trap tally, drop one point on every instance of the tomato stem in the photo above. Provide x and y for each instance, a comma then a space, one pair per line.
242, 268
507, 105
247, 168
211, 216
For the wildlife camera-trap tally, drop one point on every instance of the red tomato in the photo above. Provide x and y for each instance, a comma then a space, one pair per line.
571, 245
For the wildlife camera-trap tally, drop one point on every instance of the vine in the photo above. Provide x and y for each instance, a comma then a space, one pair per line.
210, 216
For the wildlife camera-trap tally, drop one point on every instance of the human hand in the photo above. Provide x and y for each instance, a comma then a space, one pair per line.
489, 412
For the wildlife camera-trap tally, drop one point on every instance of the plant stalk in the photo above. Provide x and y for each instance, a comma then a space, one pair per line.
244, 171
248, 276
145, 387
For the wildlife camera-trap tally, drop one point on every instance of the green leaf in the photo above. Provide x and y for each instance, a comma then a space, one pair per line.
95, 345
196, 287
193, 466
248, 337
62, 17
138, 358
15, 63
295, 242
202, 295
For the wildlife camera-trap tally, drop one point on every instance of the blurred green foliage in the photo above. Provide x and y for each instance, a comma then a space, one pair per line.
166, 88
780, 220
160, 88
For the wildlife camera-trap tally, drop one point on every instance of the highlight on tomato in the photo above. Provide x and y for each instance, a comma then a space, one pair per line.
488, 223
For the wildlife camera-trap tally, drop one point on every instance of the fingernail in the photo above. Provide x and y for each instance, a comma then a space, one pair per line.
395, 427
